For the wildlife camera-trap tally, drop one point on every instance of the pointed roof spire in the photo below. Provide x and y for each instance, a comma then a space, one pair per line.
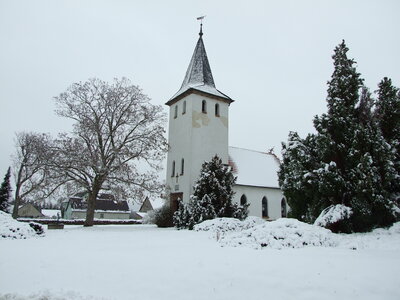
199, 71
198, 75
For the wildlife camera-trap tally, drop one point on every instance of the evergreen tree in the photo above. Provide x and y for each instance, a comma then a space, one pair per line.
295, 178
347, 162
212, 197
387, 114
387, 111
181, 216
216, 180
5, 192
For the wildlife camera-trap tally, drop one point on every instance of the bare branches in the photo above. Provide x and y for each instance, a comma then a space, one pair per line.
32, 173
117, 132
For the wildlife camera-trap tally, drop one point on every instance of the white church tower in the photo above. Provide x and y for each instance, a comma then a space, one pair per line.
198, 126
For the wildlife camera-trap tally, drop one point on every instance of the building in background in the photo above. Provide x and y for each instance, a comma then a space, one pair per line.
106, 207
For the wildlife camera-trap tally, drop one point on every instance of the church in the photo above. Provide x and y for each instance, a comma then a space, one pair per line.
198, 130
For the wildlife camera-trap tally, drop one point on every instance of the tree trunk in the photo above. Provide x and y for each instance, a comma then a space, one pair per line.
91, 203
17, 203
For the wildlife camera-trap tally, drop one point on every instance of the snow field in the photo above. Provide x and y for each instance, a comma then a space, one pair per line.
145, 262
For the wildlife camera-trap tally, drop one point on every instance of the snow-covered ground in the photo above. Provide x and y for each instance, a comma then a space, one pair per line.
146, 262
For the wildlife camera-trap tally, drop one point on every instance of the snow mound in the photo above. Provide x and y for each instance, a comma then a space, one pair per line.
224, 225
283, 233
395, 229
333, 214
49, 295
12, 229
380, 238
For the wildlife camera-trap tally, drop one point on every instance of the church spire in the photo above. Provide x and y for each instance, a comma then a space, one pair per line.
198, 76
199, 70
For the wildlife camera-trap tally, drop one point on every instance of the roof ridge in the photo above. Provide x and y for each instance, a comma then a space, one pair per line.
252, 150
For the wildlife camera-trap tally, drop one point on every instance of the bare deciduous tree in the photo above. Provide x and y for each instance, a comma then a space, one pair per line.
30, 169
117, 134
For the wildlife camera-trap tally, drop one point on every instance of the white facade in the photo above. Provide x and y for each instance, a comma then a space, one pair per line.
194, 137
198, 130
257, 182
78, 214
255, 196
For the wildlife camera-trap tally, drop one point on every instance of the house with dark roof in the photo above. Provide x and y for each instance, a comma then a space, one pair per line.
106, 207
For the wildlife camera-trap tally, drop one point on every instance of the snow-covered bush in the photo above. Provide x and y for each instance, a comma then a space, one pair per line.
283, 233
49, 295
196, 211
224, 225
13, 229
37, 227
335, 218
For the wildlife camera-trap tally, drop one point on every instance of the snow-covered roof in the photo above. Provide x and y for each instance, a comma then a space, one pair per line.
51, 212
254, 168
199, 76
100, 205
157, 202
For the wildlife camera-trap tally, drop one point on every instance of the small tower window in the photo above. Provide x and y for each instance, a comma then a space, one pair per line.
217, 110
176, 112
204, 107
243, 200
184, 108
173, 169
264, 204
182, 166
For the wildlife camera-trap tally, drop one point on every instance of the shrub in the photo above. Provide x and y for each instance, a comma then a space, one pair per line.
162, 217
37, 227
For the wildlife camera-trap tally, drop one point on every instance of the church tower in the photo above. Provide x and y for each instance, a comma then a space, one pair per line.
198, 126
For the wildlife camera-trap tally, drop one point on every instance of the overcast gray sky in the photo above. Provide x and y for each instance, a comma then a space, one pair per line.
272, 57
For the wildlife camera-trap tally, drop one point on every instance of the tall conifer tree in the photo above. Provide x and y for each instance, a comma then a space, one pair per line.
387, 114
351, 163
5, 192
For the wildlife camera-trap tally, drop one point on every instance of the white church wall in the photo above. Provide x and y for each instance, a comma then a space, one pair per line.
179, 147
254, 196
196, 137
209, 133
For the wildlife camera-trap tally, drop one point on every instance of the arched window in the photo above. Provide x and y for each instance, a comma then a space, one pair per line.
173, 169
184, 108
217, 110
182, 166
264, 203
204, 106
176, 112
243, 200
283, 208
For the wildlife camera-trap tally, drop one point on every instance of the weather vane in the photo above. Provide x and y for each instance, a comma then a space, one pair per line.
201, 24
